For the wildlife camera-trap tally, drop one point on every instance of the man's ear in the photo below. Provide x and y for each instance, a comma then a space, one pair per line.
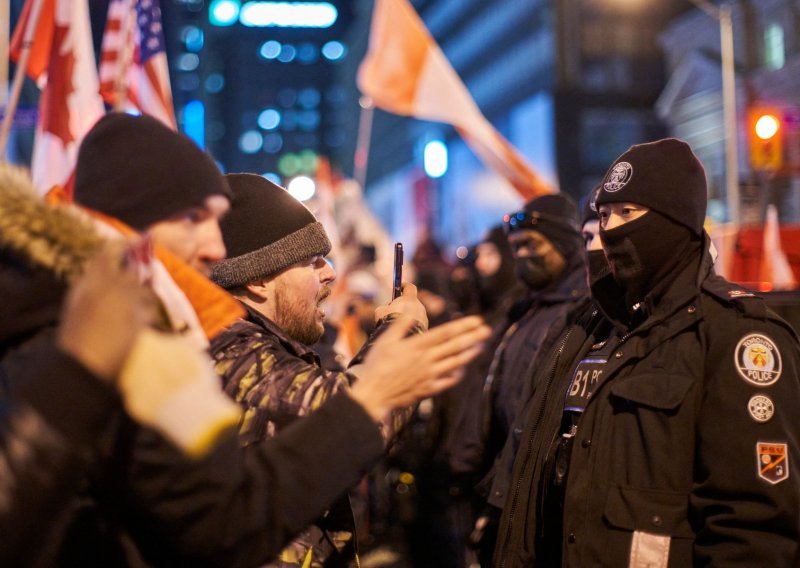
257, 291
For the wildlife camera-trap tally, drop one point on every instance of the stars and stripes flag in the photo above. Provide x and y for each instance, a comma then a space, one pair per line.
405, 72
133, 62
63, 65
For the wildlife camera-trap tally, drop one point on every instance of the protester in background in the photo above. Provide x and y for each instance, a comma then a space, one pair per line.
431, 277
499, 286
276, 268
666, 434
143, 500
542, 382
546, 242
463, 283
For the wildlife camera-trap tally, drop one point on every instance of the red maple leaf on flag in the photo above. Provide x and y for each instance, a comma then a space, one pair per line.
54, 106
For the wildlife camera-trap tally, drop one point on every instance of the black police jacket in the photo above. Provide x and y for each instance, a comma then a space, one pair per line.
684, 453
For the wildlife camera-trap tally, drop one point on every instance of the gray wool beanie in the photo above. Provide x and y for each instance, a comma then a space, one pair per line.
266, 231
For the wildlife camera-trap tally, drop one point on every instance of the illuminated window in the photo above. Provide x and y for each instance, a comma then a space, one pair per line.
288, 14
270, 49
333, 51
288, 53
188, 62
774, 47
223, 12
308, 120
309, 98
302, 188
273, 177
215, 83
269, 119
192, 38
194, 120
307, 53
250, 142
435, 158
273, 142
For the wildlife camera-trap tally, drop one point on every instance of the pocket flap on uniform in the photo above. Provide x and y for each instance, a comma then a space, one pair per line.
649, 510
657, 390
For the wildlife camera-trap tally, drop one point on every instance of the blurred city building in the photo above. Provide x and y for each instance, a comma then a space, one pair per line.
767, 56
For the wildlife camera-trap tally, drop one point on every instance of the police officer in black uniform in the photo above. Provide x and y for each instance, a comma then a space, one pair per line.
665, 428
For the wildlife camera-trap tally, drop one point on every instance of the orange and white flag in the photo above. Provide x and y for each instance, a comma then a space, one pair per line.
63, 65
405, 72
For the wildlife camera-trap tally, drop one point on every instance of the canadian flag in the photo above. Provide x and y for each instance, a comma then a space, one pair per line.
62, 64
405, 72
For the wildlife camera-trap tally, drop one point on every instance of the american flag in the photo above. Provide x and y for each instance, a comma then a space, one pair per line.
133, 62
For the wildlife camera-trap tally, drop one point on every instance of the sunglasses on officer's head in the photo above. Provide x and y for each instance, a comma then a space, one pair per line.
524, 220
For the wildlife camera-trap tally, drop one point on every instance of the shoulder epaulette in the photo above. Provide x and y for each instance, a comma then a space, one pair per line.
727, 292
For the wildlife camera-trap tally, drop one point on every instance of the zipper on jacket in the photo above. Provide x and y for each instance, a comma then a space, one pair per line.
518, 485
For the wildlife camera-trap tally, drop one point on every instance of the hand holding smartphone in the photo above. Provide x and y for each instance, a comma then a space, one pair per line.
397, 279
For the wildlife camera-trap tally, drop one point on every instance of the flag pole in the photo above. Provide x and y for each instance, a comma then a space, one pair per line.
19, 74
126, 58
361, 157
5, 18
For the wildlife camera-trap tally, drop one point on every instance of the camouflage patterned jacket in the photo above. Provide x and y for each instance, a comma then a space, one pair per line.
276, 380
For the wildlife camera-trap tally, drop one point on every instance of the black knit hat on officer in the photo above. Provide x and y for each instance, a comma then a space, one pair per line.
588, 207
665, 176
555, 216
266, 231
139, 171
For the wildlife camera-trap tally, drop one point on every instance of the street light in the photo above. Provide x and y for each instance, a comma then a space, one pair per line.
723, 15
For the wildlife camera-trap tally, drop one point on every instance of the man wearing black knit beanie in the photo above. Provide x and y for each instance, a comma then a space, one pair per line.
276, 268
546, 243
674, 401
137, 170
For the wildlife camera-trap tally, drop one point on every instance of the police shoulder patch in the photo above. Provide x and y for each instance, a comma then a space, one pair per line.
773, 461
758, 360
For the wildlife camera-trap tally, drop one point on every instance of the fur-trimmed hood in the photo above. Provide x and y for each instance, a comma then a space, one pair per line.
42, 249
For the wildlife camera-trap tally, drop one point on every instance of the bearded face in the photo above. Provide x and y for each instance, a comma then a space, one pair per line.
298, 293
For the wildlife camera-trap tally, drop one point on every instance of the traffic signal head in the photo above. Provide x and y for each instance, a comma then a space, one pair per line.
765, 139
766, 126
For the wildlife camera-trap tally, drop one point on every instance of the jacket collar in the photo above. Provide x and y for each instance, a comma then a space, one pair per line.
570, 286
291, 345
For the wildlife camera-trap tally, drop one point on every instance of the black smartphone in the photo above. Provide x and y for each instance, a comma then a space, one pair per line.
397, 279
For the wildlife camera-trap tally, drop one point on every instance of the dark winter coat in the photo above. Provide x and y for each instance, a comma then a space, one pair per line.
132, 499
485, 403
684, 451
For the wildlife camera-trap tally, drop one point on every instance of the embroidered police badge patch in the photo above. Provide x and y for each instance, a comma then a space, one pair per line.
773, 462
761, 408
758, 360
619, 177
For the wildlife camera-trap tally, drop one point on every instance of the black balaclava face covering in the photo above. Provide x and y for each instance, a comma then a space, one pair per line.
644, 254
596, 265
533, 272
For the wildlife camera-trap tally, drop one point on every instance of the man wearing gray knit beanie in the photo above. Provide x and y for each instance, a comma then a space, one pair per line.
276, 268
